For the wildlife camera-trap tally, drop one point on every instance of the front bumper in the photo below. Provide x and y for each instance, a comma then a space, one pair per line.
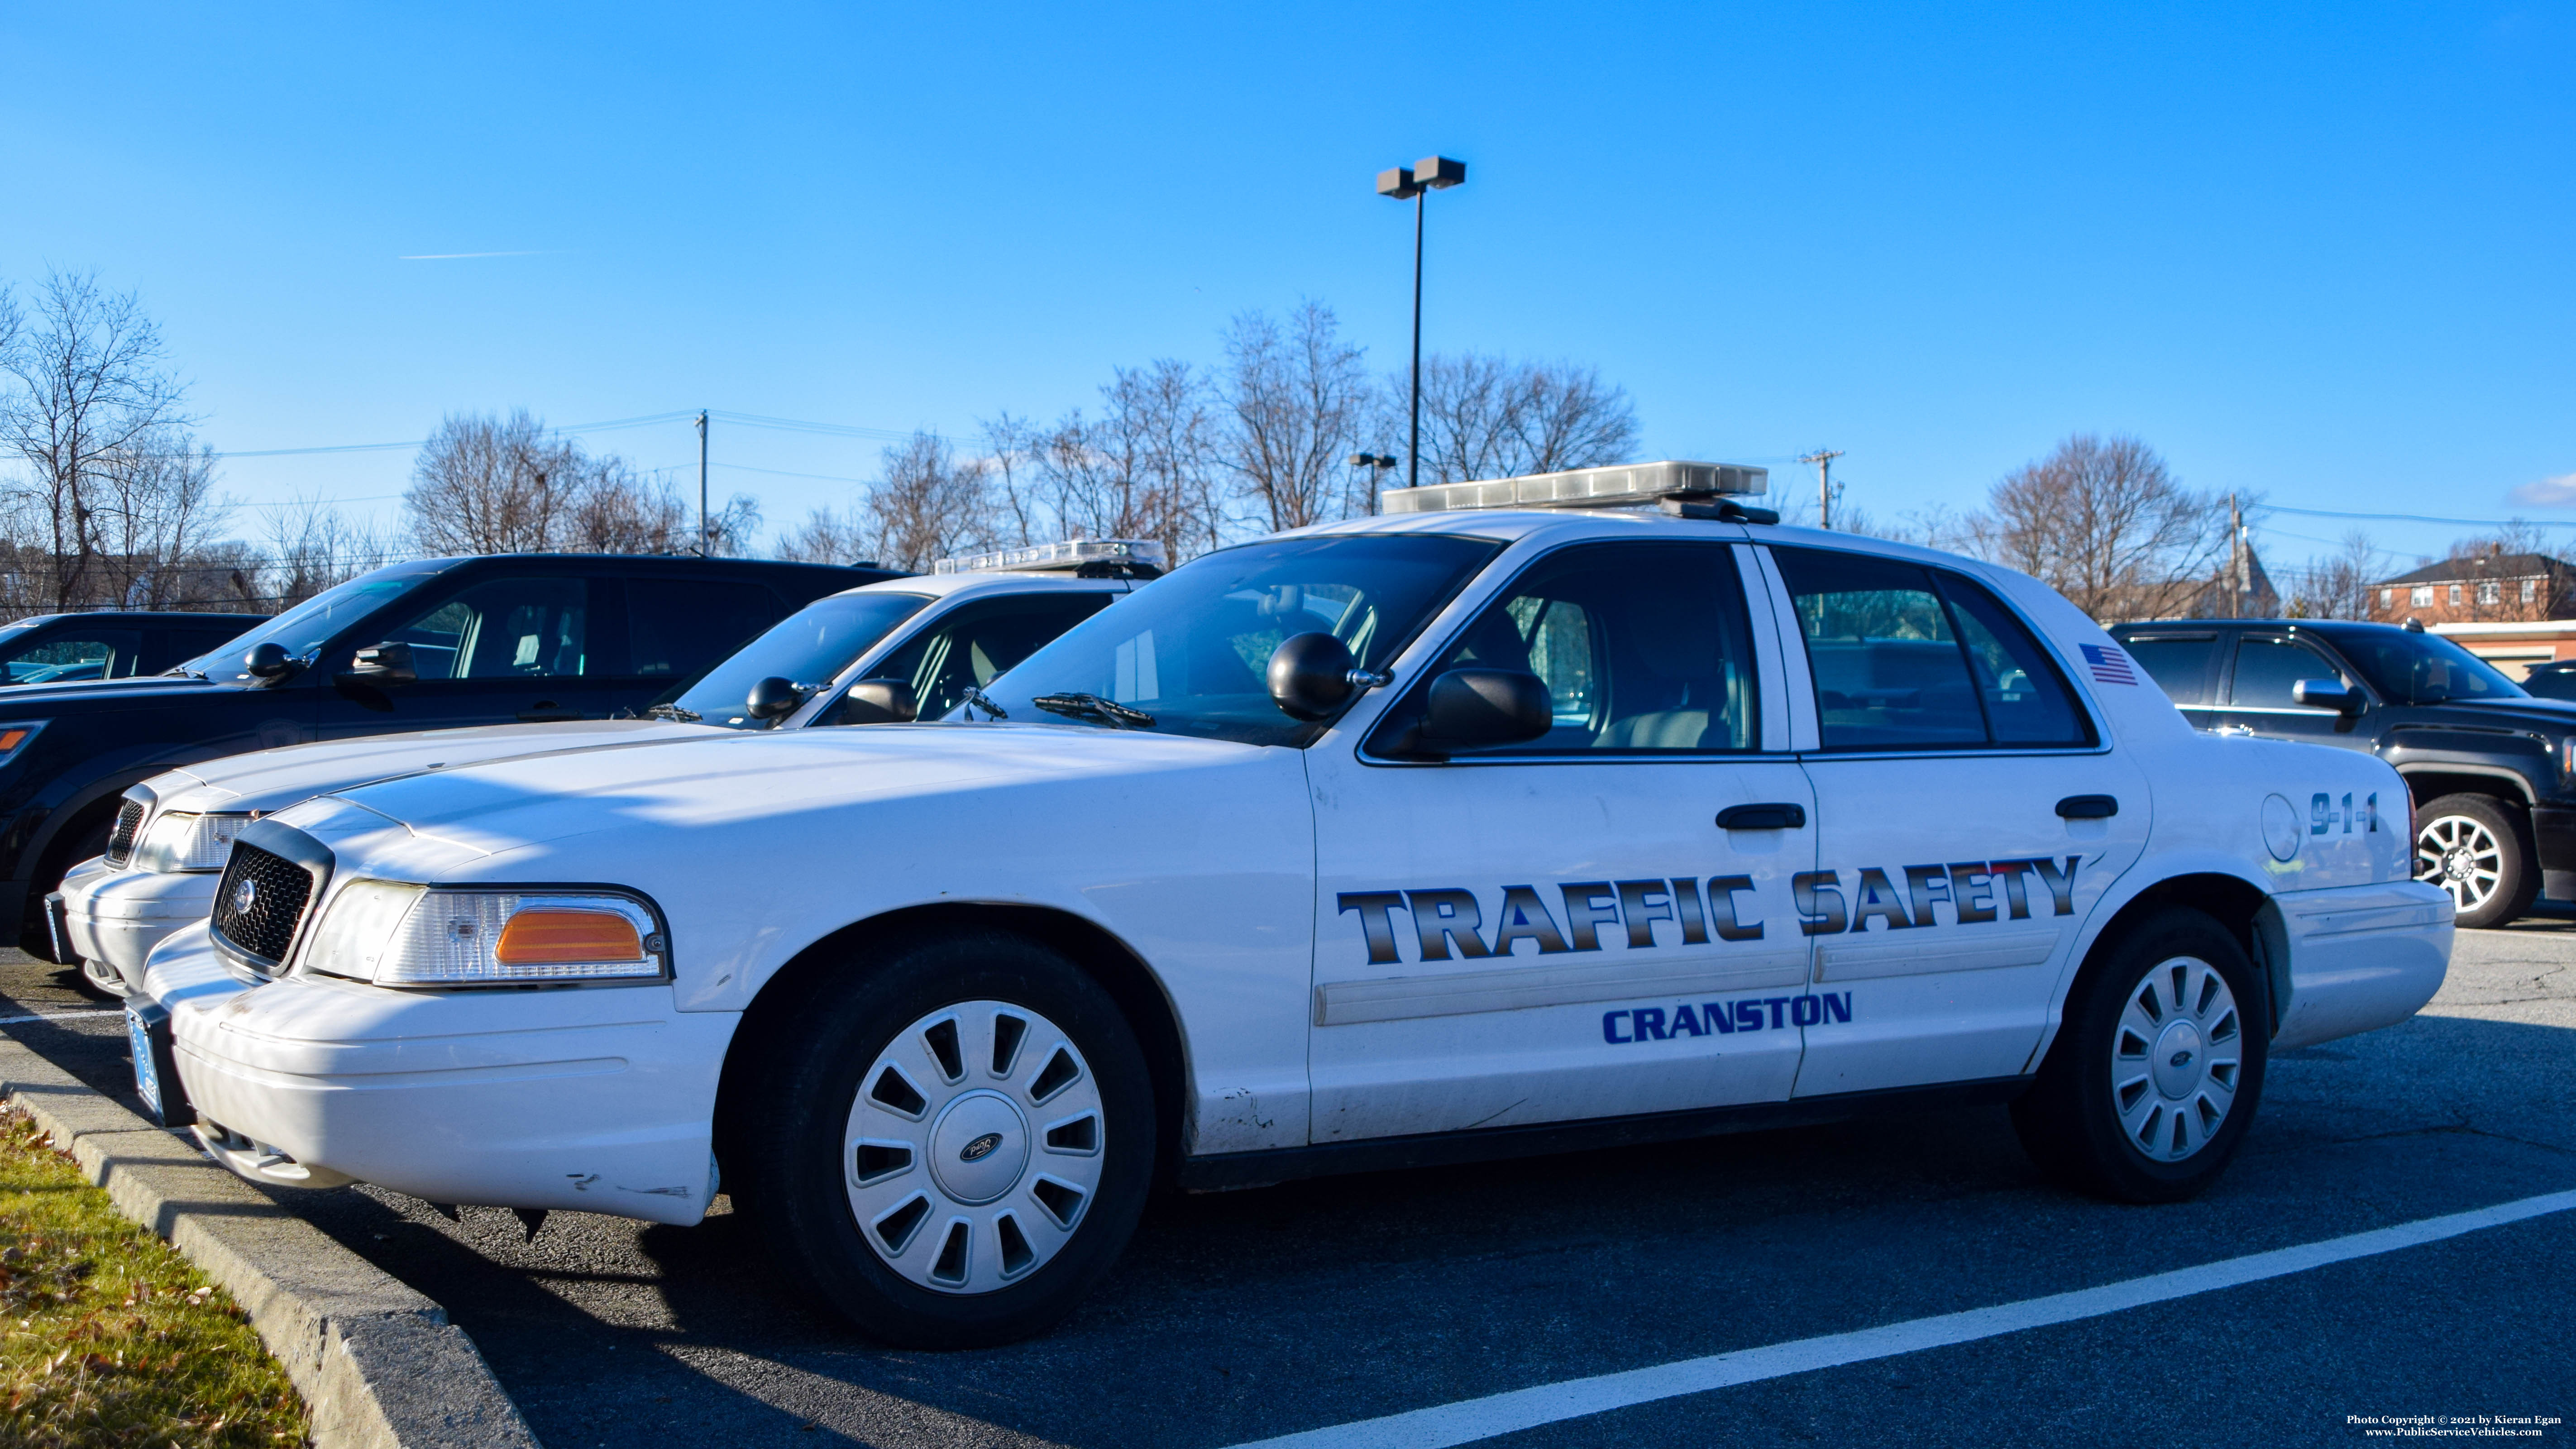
117, 916
2359, 957
597, 1099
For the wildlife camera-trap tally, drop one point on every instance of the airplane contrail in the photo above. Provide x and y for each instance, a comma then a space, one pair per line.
461, 256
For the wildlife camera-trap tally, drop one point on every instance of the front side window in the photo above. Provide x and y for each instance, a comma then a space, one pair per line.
1643, 647
68, 658
810, 646
1189, 652
2266, 669
973, 645
1906, 657
503, 629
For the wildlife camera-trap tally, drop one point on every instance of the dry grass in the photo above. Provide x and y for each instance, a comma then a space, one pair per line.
111, 1338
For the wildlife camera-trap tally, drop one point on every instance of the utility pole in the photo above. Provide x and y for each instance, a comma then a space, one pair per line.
704, 538
2237, 583
1824, 458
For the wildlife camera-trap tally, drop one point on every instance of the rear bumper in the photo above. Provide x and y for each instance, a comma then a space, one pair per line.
117, 916
597, 1099
2359, 957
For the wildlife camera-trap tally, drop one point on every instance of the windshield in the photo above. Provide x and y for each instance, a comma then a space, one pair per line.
2425, 668
809, 646
1188, 654
307, 626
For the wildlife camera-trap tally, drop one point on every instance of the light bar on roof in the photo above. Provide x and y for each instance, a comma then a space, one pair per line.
1071, 553
1627, 485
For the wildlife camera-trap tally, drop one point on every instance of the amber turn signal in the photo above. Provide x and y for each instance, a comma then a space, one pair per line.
544, 936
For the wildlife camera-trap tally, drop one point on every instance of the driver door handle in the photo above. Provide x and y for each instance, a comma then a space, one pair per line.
1777, 816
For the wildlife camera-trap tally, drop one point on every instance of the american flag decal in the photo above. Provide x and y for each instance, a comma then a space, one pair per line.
2110, 666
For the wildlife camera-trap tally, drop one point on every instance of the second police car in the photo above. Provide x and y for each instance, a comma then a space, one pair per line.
1513, 821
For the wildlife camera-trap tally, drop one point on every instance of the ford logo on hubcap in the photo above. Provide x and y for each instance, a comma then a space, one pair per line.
981, 1148
2182, 1058
243, 895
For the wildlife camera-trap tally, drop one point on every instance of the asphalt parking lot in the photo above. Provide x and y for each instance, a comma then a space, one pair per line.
1245, 1315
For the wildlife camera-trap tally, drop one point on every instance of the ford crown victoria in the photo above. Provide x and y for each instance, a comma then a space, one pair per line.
1490, 826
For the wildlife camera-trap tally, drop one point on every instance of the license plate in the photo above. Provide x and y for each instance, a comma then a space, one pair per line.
147, 1079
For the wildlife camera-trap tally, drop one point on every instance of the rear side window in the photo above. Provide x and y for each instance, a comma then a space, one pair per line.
680, 626
1909, 658
2266, 670
2179, 663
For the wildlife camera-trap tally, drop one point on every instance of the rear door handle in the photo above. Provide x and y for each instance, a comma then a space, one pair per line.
1762, 817
2088, 807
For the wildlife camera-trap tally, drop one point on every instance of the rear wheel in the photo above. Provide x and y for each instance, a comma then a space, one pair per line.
2478, 850
2154, 1076
955, 1145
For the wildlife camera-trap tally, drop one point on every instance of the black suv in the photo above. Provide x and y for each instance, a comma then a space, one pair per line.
2491, 768
110, 643
427, 645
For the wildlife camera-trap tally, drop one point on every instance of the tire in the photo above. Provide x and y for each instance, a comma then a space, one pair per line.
84, 840
2479, 850
102, 981
2147, 1090
885, 1155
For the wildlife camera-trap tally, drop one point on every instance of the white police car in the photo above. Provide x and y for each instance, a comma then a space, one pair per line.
867, 655
1476, 829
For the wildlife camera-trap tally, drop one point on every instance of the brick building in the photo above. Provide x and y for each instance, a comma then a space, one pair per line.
2480, 588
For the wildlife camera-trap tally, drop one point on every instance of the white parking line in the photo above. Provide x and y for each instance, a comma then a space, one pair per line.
59, 1015
1474, 1419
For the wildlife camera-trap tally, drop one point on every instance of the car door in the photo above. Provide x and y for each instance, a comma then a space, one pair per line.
1561, 929
2260, 677
500, 649
1961, 791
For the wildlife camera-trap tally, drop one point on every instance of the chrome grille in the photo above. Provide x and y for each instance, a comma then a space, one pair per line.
263, 926
120, 839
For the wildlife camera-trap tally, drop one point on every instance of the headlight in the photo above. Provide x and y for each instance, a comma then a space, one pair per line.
408, 935
181, 841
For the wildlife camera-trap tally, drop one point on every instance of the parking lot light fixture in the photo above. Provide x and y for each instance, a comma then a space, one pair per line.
1412, 183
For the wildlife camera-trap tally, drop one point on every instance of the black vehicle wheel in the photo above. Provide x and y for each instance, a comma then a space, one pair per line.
2156, 1071
84, 840
2479, 850
954, 1143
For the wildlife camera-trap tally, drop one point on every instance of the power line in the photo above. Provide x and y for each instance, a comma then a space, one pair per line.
2421, 518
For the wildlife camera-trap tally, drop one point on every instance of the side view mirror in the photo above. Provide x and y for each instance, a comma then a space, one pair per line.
2331, 694
773, 698
268, 661
1472, 707
386, 663
1313, 675
879, 701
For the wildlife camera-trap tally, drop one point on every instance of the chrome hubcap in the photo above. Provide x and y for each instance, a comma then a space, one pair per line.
2461, 856
974, 1147
2175, 1058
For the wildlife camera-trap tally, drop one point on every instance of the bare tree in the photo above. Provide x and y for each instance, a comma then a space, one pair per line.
1490, 417
2104, 522
1142, 469
825, 537
311, 547
1291, 402
2337, 586
152, 506
85, 384
485, 484
930, 504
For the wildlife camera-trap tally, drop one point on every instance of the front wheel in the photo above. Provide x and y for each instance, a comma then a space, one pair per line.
953, 1144
2154, 1076
2479, 851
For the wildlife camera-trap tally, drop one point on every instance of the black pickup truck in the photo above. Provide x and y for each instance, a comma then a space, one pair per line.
2492, 769
426, 645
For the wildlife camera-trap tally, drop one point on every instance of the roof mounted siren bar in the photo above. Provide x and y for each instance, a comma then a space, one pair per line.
1087, 558
1686, 490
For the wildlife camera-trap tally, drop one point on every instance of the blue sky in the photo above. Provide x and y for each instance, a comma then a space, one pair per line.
2319, 252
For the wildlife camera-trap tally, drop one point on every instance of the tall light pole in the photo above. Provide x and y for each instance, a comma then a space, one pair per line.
1412, 183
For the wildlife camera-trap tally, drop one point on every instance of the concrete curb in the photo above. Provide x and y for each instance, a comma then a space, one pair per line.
377, 1362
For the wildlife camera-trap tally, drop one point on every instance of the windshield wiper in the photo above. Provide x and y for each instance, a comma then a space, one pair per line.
976, 698
674, 712
185, 671
1091, 706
